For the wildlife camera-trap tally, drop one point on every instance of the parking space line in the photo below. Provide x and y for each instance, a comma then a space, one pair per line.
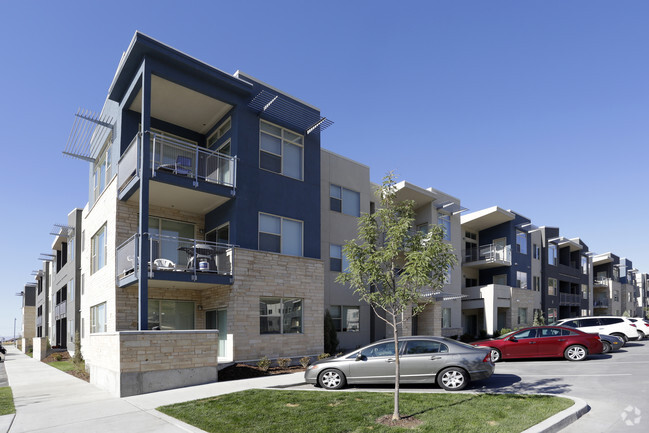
579, 375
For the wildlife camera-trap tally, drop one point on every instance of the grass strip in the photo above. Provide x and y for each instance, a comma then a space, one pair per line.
271, 411
6, 401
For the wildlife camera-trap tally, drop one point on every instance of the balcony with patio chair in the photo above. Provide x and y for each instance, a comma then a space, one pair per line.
176, 262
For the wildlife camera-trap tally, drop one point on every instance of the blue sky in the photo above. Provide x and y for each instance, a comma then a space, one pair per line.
541, 107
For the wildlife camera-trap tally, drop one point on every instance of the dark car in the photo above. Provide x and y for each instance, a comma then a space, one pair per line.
449, 363
543, 342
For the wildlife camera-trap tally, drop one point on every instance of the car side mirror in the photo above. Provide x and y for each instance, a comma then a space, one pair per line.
359, 356
514, 339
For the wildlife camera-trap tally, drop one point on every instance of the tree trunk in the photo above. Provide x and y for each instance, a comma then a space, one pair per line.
395, 414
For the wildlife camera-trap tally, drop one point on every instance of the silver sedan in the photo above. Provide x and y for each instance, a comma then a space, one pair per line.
449, 363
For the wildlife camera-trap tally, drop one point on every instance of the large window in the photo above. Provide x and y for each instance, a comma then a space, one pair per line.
552, 255
344, 200
552, 315
346, 319
521, 242
99, 248
521, 279
522, 316
168, 236
280, 315
552, 286
537, 283
170, 314
280, 150
280, 235
98, 318
101, 172
446, 318
444, 220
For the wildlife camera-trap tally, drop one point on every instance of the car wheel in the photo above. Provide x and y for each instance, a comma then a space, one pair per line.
575, 353
641, 335
331, 379
495, 355
606, 347
623, 337
452, 379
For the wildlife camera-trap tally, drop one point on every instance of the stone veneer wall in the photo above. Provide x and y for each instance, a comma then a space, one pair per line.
39, 348
136, 362
29, 322
521, 298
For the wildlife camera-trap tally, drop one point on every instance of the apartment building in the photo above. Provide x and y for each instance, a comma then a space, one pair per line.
202, 230
501, 270
66, 273
566, 282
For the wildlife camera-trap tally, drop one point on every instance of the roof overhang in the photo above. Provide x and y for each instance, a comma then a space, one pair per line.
486, 218
600, 259
407, 191
565, 242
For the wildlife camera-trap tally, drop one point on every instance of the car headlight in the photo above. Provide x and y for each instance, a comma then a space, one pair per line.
313, 367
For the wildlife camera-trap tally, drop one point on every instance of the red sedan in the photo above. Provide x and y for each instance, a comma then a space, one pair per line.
543, 342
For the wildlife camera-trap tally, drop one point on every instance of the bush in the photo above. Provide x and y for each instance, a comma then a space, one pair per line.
483, 334
496, 334
330, 334
283, 362
305, 361
465, 338
264, 363
323, 356
57, 356
505, 331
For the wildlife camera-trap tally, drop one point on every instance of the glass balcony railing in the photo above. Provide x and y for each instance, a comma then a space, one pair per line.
181, 158
175, 254
489, 253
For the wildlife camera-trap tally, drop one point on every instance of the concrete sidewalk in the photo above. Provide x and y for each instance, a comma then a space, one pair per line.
50, 400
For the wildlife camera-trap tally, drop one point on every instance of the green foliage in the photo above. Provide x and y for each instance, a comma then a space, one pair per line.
57, 356
283, 362
6, 401
323, 356
330, 334
626, 313
281, 411
496, 333
305, 361
393, 267
264, 363
505, 331
538, 319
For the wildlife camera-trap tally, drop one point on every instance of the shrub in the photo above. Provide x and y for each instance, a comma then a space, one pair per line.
323, 356
465, 338
496, 333
264, 363
305, 361
283, 362
483, 334
505, 331
58, 357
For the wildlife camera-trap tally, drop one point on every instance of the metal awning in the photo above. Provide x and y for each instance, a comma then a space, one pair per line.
277, 107
527, 227
47, 257
442, 296
450, 207
62, 230
88, 135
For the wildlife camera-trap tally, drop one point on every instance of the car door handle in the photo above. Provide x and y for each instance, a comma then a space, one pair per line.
390, 360
561, 339
435, 357
532, 342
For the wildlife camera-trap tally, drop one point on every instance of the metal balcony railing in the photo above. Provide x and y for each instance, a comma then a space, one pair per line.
601, 303
175, 254
180, 158
489, 253
569, 298
601, 281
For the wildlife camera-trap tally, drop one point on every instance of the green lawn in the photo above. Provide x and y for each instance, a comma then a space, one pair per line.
63, 365
6, 401
319, 411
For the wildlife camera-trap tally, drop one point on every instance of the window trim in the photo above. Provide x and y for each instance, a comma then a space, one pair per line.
94, 252
342, 189
281, 227
521, 235
282, 301
94, 324
343, 324
283, 141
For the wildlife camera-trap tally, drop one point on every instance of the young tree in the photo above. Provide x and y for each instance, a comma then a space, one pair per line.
393, 267
538, 319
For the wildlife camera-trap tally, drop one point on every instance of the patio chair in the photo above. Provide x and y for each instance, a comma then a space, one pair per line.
164, 264
183, 165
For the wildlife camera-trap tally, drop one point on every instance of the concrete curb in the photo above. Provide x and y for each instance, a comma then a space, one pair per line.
5, 422
562, 419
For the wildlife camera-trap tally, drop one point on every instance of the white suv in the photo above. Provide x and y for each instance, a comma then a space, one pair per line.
642, 325
612, 325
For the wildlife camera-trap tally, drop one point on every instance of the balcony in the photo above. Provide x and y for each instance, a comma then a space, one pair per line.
569, 299
601, 282
600, 303
488, 256
176, 262
181, 165
61, 309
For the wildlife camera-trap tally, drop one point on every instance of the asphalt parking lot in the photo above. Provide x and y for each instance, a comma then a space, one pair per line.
616, 386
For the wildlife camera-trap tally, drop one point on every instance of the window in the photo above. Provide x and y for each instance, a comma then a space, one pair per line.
419, 347
616, 295
537, 283
528, 333
584, 312
101, 172
552, 315
446, 318
168, 247
71, 249
552, 255
344, 200
521, 279
98, 318
470, 282
71, 290
337, 260
500, 279
470, 235
522, 316
444, 220
584, 264
220, 132
346, 319
584, 291
447, 277
280, 235
521, 242
537, 251
170, 314
99, 250
83, 280
280, 315
552, 287
381, 349
280, 150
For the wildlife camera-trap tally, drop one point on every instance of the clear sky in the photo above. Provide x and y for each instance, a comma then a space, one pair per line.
541, 107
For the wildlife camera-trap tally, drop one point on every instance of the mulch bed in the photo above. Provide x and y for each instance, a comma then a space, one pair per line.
245, 371
65, 356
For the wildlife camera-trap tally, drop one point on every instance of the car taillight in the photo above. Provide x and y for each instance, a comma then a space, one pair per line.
633, 324
487, 357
